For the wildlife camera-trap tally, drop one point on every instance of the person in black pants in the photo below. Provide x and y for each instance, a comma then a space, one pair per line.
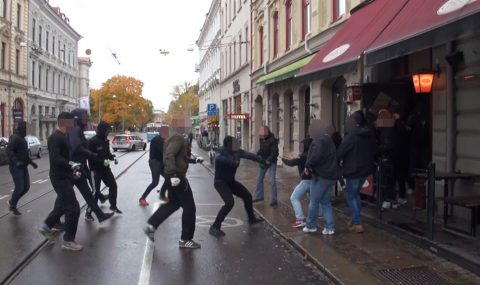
156, 166
100, 145
79, 153
62, 171
19, 159
226, 164
176, 163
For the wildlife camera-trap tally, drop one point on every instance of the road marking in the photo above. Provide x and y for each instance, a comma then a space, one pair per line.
207, 220
42, 181
200, 204
37, 181
3, 197
147, 257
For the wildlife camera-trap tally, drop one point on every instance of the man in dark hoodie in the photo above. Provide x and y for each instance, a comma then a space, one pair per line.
357, 155
19, 159
226, 164
269, 152
100, 145
79, 153
303, 187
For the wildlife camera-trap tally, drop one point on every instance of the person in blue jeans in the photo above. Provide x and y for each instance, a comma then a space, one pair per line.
322, 165
357, 156
269, 152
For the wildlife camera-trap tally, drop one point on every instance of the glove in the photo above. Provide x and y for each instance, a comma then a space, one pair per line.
34, 165
199, 160
175, 181
106, 163
115, 160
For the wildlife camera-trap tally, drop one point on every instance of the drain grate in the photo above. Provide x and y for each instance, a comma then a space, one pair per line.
413, 276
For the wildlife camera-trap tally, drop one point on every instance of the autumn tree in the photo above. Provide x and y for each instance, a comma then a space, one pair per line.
120, 102
184, 101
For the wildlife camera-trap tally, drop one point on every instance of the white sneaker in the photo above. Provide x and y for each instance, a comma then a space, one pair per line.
328, 232
308, 230
402, 201
386, 205
409, 191
71, 245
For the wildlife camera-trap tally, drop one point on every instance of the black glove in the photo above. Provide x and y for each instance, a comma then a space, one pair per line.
34, 165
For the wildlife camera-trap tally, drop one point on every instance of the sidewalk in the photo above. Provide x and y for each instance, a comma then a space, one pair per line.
373, 257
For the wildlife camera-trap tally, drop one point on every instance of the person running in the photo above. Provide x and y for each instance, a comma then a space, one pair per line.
176, 163
156, 166
62, 172
100, 145
19, 159
303, 187
226, 164
269, 152
79, 153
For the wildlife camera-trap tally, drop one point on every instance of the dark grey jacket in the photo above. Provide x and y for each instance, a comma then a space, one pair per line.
357, 152
322, 158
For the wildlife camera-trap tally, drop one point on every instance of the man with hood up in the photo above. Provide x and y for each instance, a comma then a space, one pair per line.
100, 145
19, 159
269, 152
226, 164
79, 153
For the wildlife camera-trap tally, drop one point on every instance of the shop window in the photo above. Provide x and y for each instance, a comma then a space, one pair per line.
289, 27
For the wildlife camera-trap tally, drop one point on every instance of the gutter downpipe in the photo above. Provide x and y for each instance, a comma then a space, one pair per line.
307, 48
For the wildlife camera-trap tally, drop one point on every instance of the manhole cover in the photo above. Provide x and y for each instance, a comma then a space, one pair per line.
413, 276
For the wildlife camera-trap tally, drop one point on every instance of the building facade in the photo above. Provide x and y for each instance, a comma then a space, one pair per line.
13, 63
208, 44
53, 81
84, 64
235, 70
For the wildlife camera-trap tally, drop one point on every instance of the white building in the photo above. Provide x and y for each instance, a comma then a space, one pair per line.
208, 43
53, 67
235, 70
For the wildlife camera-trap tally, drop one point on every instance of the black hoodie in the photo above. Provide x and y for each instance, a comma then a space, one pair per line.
269, 148
17, 148
300, 161
78, 143
357, 151
100, 145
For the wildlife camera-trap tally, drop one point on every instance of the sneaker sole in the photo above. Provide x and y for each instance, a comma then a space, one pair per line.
71, 249
190, 247
298, 226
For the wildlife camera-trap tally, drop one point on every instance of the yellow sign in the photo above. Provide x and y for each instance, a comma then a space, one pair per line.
212, 119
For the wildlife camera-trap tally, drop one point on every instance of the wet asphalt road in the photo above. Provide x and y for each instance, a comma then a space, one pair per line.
117, 252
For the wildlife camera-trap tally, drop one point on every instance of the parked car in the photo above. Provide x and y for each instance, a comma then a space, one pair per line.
128, 142
151, 135
3, 151
89, 134
34, 146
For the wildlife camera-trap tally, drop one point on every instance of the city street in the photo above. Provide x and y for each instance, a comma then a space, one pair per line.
117, 252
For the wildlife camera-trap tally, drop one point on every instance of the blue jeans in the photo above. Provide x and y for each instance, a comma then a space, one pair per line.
353, 198
272, 169
298, 193
21, 179
320, 193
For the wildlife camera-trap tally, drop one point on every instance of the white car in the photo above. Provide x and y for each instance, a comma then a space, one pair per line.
128, 142
34, 146
89, 134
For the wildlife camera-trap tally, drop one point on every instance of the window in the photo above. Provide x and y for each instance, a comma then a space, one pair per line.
19, 15
247, 36
339, 9
234, 55
53, 45
34, 26
47, 36
47, 110
240, 48
39, 76
40, 112
275, 34
307, 18
234, 8
40, 32
53, 111
3, 55
230, 58
58, 83
53, 82
33, 77
289, 28
260, 44
17, 61
3, 8
64, 51
46, 80
58, 49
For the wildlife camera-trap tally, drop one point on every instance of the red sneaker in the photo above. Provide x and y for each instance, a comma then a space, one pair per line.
298, 224
143, 202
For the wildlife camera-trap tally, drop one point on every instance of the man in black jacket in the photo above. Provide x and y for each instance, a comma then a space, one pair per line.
100, 145
269, 152
226, 164
156, 165
79, 153
19, 159
62, 172
357, 155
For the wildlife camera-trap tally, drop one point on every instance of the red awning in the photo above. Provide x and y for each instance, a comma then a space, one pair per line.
423, 24
341, 53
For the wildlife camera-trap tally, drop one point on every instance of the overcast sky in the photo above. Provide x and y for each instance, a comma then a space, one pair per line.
136, 30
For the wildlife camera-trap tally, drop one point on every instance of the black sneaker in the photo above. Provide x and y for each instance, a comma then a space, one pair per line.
89, 217
274, 204
103, 198
188, 244
15, 211
255, 221
116, 210
218, 233
105, 217
149, 230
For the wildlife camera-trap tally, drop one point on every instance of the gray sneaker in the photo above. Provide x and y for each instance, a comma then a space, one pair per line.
188, 244
47, 233
71, 245
149, 230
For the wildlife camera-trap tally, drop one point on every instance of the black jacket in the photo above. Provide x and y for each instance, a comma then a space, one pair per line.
269, 148
156, 148
357, 152
100, 145
300, 161
58, 153
322, 158
79, 151
227, 162
17, 150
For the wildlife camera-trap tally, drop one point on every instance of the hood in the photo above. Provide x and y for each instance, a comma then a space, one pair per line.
102, 129
77, 116
21, 129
